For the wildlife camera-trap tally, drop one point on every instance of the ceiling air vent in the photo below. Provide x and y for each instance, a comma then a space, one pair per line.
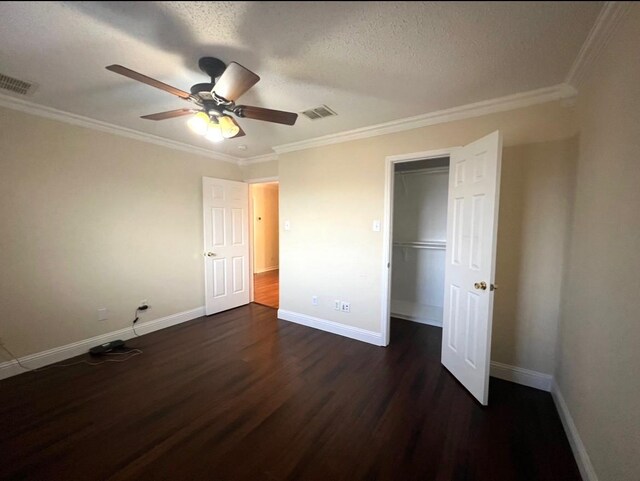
16, 86
319, 113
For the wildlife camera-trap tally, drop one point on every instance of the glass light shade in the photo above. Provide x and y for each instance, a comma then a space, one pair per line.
228, 127
214, 133
199, 123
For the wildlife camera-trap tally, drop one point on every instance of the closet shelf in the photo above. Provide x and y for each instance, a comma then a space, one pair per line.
422, 244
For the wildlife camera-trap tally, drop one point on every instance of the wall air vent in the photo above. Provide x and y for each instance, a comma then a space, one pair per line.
319, 113
16, 86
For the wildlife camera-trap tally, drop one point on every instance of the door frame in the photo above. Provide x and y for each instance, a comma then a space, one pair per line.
261, 180
387, 228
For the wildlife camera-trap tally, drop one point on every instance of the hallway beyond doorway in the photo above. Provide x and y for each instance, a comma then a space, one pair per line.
266, 288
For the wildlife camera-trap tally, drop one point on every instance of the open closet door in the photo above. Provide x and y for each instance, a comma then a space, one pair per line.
472, 224
226, 244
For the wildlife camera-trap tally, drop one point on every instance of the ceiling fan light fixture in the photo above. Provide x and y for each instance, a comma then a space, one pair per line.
214, 132
199, 123
228, 127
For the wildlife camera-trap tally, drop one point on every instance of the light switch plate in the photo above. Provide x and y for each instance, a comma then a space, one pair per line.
287, 225
376, 225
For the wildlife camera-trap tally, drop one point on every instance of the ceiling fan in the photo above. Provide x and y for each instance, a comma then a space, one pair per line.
214, 100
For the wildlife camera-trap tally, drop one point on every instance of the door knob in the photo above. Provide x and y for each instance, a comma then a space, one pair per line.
481, 285
493, 287
210, 254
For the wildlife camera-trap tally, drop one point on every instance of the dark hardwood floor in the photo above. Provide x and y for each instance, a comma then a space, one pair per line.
266, 288
244, 396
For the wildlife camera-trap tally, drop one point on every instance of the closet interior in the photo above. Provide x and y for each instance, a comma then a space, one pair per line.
420, 196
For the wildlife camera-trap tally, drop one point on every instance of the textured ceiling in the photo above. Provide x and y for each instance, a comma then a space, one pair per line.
371, 62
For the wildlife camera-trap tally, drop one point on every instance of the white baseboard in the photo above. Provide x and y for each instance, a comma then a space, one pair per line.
413, 311
57, 354
579, 451
520, 375
266, 269
363, 335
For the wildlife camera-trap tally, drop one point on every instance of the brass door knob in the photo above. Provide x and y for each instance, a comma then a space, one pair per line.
210, 254
481, 285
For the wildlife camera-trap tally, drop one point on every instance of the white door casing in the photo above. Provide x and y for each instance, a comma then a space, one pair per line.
472, 223
226, 244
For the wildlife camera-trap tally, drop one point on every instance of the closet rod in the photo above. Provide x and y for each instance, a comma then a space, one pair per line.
422, 244
426, 171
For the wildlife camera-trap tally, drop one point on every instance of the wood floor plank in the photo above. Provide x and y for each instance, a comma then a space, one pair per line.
244, 396
266, 288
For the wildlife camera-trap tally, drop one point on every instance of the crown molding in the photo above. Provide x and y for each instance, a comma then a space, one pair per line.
598, 37
257, 159
74, 119
477, 109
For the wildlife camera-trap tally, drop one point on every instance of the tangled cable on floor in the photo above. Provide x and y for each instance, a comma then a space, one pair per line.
132, 352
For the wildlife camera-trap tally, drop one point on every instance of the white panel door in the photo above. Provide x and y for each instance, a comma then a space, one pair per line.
472, 223
226, 244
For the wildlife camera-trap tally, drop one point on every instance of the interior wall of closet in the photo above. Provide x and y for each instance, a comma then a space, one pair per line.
419, 240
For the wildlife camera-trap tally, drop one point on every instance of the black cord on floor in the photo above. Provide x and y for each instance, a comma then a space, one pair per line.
135, 352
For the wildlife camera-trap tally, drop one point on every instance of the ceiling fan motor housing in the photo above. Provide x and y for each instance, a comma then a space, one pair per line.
213, 67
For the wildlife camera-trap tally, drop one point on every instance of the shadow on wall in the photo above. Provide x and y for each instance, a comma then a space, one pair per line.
536, 198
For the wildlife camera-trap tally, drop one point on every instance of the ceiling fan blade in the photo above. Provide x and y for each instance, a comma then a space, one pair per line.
168, 115
268, 115
148, 80
241, 132
234, 81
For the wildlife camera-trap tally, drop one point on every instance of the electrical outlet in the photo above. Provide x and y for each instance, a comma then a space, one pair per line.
102, 314
345, 306
314, 300
336, 305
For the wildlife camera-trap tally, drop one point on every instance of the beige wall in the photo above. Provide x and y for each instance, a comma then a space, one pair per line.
260, 170
89, 220
535, 210
332, 194
599, 336
265, 226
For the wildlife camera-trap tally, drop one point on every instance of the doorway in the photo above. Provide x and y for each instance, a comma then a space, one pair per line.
266, 256
419, 240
